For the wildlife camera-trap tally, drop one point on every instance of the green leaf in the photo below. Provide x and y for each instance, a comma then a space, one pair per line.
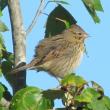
85, 108
87, 95
1, 13
97, 87
3, 27
97, 105
67, 24
106, 101
94, 16
6, 93
61, 1
103, 104
3, 4
30, 98
1, 55
89, 4
2, 47
3, 108
97, 5
6, 67
1, 42
8, 56
2, 90
57, 22
0, 71
92, 6
71, 79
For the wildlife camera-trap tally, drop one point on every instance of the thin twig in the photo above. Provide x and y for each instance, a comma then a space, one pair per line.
50, 2
45, 14
38, 12
46, 4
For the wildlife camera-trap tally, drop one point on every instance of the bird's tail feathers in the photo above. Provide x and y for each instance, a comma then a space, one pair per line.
30, 66
16, 70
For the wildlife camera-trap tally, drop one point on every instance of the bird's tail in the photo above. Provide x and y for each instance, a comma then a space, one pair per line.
18, 69
31, 65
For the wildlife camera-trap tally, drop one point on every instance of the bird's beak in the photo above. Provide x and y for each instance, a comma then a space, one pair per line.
86, 35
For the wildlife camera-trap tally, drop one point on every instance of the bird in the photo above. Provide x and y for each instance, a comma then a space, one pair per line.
58, 55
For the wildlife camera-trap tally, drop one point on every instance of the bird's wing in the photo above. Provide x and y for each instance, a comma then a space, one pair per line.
53, 48
46, 45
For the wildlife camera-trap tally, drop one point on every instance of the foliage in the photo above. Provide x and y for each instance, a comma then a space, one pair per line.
3, 4
30, 98
93, 6
5, 56
1, 91
57, 22
74, 91
3, 27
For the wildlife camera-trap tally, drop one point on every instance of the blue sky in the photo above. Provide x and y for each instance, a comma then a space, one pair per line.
95, 67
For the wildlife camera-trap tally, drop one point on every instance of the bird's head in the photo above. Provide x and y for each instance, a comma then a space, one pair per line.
76, 32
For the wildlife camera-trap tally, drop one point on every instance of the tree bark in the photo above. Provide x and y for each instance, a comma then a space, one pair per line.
19, 44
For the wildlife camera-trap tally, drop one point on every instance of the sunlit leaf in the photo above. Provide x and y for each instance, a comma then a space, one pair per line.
3, 27
1, 91
1, 13
30, 98
94, 16
0, 71
73, 80
3, 108
97, 87
92, 6
2, 47
97, 5
67, 24
106, 101
1, 40
97, 105
87, 95
89, 4
61, 1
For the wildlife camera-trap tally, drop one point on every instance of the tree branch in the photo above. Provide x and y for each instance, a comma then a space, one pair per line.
38, 12
19, 43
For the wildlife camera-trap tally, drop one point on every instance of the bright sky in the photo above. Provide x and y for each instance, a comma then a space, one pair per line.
95, 67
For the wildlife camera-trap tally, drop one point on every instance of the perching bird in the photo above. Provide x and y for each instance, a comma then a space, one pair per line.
60, 54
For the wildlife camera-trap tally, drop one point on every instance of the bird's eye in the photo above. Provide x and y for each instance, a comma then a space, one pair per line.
79, 33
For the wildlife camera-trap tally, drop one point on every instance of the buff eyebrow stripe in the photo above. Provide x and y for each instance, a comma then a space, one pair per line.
57, 39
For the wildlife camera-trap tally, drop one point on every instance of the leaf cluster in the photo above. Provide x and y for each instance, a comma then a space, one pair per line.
74, 91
